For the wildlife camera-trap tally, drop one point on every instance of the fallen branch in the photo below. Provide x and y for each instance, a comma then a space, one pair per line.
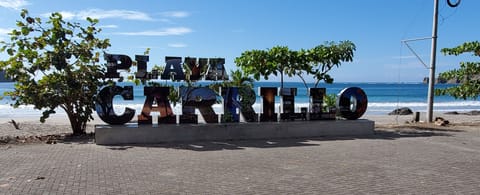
14, 124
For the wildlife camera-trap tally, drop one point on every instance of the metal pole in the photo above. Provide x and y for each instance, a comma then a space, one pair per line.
431, 80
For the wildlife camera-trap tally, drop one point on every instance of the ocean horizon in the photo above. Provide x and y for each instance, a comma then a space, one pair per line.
382, 98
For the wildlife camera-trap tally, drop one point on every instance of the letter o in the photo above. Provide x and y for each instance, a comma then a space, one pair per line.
352, 103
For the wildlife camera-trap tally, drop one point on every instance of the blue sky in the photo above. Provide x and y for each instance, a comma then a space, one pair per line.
226, 28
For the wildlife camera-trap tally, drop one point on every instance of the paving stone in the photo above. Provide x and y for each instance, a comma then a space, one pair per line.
414, 162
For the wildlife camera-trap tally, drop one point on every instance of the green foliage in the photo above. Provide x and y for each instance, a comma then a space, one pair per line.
330, 100
55, 64
325, 57
464, 48
255, 62
238, 80
468, 73
317, 61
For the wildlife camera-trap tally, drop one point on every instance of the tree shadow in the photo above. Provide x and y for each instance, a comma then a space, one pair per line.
119, 148
406, 133
422, 127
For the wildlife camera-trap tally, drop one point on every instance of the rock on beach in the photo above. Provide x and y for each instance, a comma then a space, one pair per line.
401, 111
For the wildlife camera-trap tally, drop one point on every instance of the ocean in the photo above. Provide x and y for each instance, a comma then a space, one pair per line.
382, 98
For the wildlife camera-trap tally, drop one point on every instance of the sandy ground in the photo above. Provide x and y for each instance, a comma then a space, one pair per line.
401, 120
59, 124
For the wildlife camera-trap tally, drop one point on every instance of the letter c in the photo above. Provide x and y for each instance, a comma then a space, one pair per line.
104, 105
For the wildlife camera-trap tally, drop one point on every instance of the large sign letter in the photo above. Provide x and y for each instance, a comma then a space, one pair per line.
316, 103
104, 105
288, 105
115, 62
141, 66
352, 103
230, 104
202, 98
157, 95
216, 70
173, 69
248, 98
268, 100
195, 68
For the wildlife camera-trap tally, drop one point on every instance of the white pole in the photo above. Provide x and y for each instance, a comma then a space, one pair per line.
431, 80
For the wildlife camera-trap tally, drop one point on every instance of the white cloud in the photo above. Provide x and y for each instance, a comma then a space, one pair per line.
102, 14
165, 20
177, 45
109, 26
13, 4
5, 31
123, 14
176, 14
65, 15
163, 32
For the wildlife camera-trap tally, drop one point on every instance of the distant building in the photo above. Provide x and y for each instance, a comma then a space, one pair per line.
3, 77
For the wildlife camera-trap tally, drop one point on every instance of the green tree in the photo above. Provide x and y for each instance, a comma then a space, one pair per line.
317, 61
321, 59
55, 65
276, 60
468, 74
330, 100
239, 79
255, 62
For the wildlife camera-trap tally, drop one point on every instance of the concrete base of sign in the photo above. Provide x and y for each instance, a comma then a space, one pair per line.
143, 134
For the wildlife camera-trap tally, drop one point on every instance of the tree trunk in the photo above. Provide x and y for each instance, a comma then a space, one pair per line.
78, 126
316, 83
304, 82
281, 79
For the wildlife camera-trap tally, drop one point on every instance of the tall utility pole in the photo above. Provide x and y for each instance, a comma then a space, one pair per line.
433, 57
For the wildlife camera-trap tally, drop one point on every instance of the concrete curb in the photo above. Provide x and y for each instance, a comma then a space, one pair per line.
143, 134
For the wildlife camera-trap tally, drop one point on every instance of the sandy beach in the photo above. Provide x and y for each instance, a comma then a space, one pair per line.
59, 125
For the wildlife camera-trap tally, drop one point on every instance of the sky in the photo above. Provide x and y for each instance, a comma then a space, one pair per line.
226, 28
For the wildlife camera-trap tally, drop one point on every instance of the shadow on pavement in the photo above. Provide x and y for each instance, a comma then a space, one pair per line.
410, 133
279, 143
88, 138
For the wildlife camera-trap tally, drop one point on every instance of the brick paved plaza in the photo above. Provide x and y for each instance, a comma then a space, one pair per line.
410, 162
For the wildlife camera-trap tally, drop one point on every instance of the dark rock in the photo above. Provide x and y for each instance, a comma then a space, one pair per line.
473, 113
452, 113
39, 178
425, 80
401, 111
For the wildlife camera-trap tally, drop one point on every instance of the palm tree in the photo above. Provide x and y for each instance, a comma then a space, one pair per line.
244, 83
240, 80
